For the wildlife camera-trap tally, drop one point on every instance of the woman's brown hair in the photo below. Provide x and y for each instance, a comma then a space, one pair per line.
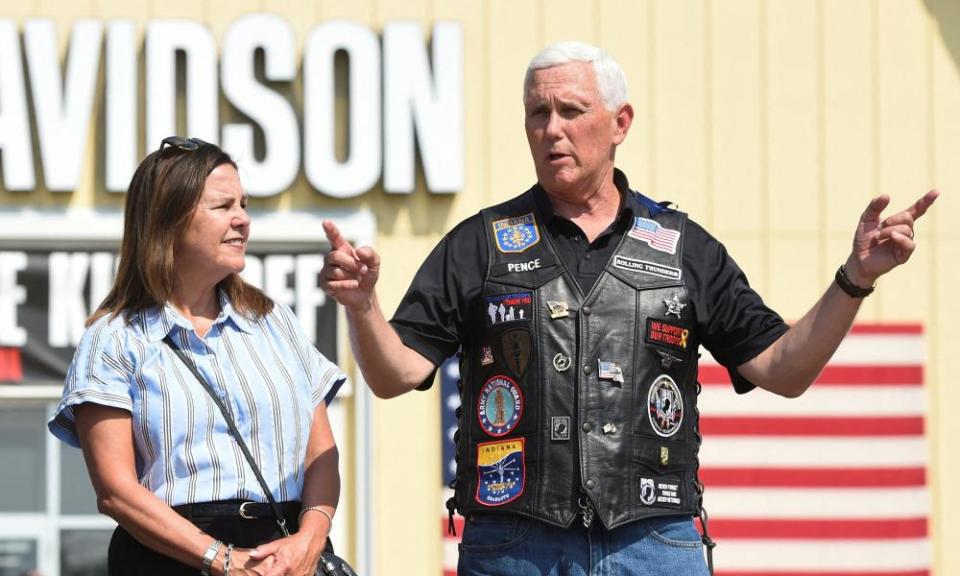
161, 199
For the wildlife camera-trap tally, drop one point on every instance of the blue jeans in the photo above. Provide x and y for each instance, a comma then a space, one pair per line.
511, 545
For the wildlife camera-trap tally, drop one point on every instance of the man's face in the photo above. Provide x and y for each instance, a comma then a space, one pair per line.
571, 133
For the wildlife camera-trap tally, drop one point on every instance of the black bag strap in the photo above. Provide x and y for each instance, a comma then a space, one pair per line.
281, 521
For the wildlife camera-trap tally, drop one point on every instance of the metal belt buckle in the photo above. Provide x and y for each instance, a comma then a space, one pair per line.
244, 513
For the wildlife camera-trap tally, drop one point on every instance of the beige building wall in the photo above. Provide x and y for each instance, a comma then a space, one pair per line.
771, 122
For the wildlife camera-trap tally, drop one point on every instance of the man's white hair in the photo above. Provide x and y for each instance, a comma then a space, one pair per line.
611, 79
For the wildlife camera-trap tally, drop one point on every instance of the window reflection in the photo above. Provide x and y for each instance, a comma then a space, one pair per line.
23, 453
18, 557
84, 552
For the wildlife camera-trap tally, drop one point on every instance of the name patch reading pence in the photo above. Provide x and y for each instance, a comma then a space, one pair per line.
523, 266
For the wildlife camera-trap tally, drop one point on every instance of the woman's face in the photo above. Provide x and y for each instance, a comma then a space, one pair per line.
215, 241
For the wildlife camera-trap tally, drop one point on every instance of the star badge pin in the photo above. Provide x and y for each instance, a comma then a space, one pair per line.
674, 305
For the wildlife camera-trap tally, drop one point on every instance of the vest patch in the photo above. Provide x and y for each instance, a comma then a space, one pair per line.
665, 406
667, 360
516, 234
501, 471
666, 334
655, 235
499, 406
644, 267
504, 268
509, 308
486, 356
609, 371
675, 306
660, 491
560, 428
561, 362
516, 344
558, 309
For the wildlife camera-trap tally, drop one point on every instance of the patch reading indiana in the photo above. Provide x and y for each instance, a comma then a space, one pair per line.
644, 267
501, 471
665, 406
663, 492
499, 406
655, 235
516, 234
509, 308
666, 334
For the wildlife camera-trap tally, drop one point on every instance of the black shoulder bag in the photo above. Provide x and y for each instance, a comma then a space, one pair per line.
330, 564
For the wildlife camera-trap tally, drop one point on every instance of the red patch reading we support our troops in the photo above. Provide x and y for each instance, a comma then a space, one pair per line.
666, 334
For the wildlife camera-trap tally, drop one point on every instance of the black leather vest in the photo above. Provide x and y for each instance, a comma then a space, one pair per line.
569, 396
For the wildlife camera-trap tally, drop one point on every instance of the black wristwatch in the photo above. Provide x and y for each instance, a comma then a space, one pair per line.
849, 287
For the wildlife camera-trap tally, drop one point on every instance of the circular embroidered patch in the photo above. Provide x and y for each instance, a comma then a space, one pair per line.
665, 406
499, 406
648, 491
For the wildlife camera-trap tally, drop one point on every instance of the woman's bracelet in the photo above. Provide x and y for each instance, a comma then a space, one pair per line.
316, 509
226, 560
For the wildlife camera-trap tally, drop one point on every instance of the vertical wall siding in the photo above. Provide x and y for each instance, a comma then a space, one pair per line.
771, 122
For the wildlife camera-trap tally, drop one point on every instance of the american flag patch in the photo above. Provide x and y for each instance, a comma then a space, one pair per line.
658, 237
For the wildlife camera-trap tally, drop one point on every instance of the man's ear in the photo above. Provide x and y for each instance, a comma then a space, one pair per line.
624, 119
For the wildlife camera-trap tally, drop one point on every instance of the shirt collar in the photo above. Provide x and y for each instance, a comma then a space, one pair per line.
160, 320
630, 206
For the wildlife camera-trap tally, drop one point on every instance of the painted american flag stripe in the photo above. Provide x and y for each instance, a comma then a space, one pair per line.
812, 426
817, 573
814, 452
816, 503
870, 345
867, 528
850, 375
818, 401
806, 529
813, 477
899, 330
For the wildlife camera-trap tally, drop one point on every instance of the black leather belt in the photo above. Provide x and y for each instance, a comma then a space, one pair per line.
237, 509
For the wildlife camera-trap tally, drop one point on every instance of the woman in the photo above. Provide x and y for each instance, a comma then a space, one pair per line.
159, 452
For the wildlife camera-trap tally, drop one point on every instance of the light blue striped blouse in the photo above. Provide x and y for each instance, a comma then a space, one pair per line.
266, 371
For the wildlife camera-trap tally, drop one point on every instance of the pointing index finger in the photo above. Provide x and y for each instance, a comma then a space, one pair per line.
336, 239
919, 208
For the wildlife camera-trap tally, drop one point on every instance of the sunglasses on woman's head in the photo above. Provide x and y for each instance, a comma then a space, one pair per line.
181, 143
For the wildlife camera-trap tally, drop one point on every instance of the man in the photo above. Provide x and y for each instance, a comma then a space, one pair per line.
579, 308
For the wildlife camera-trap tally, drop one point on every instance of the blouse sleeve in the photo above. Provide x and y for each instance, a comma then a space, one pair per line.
99, 373
326, 378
